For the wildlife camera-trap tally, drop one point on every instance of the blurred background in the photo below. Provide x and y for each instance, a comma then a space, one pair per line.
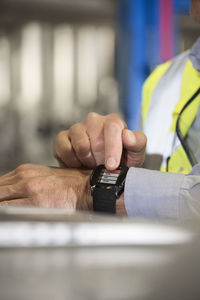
61, 59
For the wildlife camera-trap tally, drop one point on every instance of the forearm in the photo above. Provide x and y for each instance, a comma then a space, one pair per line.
155, 194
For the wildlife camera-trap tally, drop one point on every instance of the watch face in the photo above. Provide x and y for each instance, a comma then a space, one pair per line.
108, 177
106, 187
103, 177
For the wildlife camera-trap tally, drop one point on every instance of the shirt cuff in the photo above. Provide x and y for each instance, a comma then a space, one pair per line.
152, 194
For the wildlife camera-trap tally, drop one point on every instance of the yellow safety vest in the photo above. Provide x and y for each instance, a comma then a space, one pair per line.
189, 83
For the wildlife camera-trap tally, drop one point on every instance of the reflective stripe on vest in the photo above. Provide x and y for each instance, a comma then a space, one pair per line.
160, 110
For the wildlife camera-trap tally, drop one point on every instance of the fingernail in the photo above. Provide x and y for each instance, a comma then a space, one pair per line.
131, 137
111, 162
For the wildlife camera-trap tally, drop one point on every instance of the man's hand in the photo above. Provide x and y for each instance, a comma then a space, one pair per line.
42, 186
100, 140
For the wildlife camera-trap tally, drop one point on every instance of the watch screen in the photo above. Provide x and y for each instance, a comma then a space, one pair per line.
109, 177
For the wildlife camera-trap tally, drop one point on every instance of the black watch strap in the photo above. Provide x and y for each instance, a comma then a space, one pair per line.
101, 203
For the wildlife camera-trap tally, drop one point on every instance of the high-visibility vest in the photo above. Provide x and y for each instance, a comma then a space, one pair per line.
165, 93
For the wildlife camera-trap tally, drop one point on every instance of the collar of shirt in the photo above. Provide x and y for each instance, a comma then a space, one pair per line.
194, 55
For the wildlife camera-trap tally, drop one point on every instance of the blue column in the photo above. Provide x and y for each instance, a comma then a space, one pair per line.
136, 53
182, 6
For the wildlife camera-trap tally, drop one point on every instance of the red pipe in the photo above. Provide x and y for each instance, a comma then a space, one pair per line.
166, 29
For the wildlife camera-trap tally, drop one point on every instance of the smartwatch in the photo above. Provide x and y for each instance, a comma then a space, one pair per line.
106, 187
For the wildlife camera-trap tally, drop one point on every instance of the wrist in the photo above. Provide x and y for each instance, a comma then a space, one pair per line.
84, 198
106, 186
120, 206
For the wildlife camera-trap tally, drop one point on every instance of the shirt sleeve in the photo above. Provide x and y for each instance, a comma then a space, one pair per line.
161, 195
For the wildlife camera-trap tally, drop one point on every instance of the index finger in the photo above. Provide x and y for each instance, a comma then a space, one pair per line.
113, 128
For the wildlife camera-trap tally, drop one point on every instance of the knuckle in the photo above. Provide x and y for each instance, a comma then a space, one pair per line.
94, 119
114, 125
60, 143
61, 134
24, 171
92, 116
117, 120
60, 137
74, 128
25, 174
114, 116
